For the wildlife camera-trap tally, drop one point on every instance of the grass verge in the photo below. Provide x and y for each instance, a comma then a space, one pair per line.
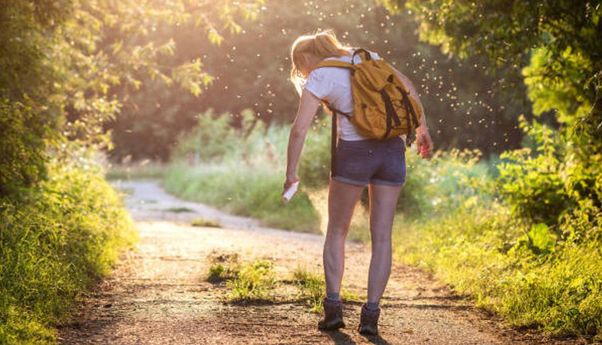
481, 252
54, 243
142, 170
247, 191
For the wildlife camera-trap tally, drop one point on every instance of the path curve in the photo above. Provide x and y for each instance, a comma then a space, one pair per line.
158, 293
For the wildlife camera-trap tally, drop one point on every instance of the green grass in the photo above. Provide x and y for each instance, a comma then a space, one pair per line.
243, 190
478, 251
223, 267
179, 209
312, 289
208, 223
142, 170
54, 244
255, 281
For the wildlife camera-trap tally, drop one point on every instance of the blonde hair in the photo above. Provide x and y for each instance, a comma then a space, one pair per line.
322, 44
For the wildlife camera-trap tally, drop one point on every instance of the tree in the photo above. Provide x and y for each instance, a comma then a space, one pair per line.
465, 107
558, 41
62, 63
556, 46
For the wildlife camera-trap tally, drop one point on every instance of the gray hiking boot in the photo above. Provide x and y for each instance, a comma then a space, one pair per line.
333, 315
369, 321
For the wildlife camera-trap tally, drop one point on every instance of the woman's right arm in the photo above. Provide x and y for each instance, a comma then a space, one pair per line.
308, 106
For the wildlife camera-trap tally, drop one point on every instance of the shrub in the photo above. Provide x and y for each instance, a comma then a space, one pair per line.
54, 243
508, 266
22, 148
543, 184
443, 183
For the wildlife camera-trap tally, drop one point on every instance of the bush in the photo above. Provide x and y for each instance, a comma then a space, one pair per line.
543, 184
442, 184
484, 252
22, 148
529, 178
54, 243
212, 138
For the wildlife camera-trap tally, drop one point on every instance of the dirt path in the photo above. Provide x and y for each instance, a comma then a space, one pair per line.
158, 293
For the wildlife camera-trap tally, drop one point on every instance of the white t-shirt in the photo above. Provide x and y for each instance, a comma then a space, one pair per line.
333, 84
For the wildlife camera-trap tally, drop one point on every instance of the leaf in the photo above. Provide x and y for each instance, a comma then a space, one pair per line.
542, 239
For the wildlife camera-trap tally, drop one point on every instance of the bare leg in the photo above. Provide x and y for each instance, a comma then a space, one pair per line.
383, 201
342, 198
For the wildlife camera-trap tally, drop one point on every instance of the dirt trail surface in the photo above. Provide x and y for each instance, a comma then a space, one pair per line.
158, 294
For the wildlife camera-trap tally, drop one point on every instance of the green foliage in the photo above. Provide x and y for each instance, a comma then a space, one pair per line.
246, 281
54, 243
205, 223
22, 157
444, 183
312, 289
224, 267
545, 184
466, 108
212, 138
240, 170
254, 282
244, 190
518, 271
539, 239
140, 170
529, 178
65, 67
314, 168
556, 44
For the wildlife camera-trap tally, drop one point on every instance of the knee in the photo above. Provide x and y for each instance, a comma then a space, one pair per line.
335, 239
336, 231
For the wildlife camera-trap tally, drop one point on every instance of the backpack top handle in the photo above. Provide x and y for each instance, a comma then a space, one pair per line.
366, 55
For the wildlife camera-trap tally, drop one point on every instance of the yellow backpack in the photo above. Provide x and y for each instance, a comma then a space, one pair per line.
382, 105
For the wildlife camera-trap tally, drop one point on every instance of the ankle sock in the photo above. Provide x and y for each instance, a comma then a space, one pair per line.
333, 296
372, 306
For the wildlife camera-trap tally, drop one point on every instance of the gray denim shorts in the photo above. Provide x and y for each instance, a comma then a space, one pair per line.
370, 162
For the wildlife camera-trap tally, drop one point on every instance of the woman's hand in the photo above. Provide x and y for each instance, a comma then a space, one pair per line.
424, 143
289, 182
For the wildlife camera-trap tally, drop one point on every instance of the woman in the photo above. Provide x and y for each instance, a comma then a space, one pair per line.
359, 162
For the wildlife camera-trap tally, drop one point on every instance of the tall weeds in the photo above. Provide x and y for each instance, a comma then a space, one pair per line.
54, 243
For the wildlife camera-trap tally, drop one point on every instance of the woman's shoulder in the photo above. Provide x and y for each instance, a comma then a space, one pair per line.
347, 58
326, 73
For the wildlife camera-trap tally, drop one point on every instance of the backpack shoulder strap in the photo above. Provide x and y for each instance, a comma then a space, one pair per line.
364, 54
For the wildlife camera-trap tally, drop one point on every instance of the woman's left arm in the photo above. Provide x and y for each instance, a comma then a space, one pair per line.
308, 106
424, 143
